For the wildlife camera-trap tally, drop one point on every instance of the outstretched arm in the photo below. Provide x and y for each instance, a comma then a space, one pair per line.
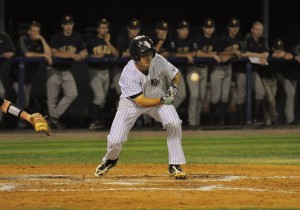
37, 120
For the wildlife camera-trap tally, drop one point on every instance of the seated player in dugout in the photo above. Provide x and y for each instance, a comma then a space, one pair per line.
32, 45
162, 38
100, 46
65, 44
142, 93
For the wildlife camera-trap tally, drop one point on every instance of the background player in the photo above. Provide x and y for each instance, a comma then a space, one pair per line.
220, 78
32, 45
64, 44
100, 46
141, 86
197, 77
255, 46
7, 51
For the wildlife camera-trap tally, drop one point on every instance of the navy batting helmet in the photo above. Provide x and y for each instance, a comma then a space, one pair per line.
141, 45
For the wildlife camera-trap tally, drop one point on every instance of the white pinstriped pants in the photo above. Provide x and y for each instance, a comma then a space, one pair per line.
125, 118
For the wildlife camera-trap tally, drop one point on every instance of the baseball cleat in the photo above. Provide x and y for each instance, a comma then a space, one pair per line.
176, 172
104, 167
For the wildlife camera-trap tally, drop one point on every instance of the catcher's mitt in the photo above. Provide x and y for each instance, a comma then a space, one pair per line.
39, 123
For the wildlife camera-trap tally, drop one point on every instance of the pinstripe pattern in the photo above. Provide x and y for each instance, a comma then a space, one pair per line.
132, 81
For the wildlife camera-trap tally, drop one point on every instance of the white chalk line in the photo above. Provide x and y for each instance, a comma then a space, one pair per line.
203, 188
140, 181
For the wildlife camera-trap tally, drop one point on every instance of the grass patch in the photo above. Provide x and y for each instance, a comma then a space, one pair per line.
277, 150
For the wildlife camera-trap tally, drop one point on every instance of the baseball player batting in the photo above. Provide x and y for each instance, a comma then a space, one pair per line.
141, 85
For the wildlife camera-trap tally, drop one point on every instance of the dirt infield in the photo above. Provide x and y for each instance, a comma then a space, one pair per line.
149, 186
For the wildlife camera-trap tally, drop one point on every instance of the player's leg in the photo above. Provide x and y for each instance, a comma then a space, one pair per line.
193, 82
203, 85
289, 87
125, 118
69, 90
240, 96
259, 96
169, 118
54, 81
225, 89
216, 78
181, 95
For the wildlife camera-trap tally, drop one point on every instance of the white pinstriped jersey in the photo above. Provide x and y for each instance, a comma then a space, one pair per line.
133, 81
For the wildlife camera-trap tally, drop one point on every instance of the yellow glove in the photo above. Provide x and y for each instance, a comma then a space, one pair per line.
39, 123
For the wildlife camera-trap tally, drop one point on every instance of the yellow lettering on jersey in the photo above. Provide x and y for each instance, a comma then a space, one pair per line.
235, 46
208, 48
68, 48
101, 49
183, 49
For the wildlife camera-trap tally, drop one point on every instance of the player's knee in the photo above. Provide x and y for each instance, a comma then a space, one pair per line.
259, 96
173, 124
71, 96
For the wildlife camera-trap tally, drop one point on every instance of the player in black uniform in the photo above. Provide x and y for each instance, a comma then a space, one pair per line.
162, 39
100, 46
184, 47
255, 46
287, 77
65, 44
32, 45
229, 47
206, 42
7, 51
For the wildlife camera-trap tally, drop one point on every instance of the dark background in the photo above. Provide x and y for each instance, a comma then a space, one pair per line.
284, 22
284, 15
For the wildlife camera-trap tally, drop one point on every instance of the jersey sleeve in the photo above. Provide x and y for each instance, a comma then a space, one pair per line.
8, 45
23, 47
130, 86
170, 70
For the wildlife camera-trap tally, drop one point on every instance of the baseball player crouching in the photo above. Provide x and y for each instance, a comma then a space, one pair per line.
141, 85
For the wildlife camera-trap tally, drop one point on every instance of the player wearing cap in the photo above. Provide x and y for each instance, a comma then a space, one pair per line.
182, 46
229, 47
65, 44
161, 38
207, 43
141, 85
287, 76
255, 46
123, 42
269, 81
100, 46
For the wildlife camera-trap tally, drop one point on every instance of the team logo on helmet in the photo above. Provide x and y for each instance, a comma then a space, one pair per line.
147, 44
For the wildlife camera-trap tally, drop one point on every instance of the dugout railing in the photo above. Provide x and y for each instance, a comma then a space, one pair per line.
21, 61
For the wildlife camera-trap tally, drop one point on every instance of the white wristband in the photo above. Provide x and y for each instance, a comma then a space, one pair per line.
14, 110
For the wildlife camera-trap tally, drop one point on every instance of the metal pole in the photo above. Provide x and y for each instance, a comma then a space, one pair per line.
248, 93
21, 95
2, 15
266, 19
